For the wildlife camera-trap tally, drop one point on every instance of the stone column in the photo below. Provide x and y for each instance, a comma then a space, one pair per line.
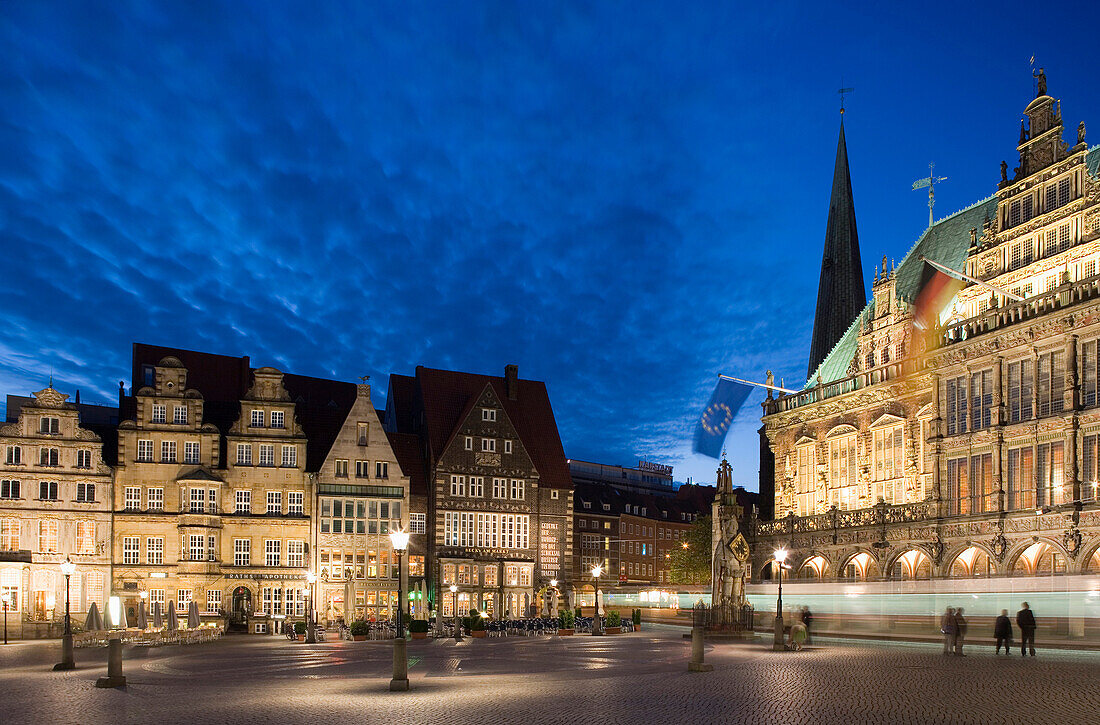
1072, 402
998, 419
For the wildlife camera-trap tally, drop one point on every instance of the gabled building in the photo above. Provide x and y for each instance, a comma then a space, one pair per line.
167, 497
362, 496
265, 514
55, 493
499, 499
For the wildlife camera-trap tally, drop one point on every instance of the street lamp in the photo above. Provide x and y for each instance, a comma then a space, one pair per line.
597, 625
454, 603
311, 626
5, 598
777, 641
399, 540
66, 663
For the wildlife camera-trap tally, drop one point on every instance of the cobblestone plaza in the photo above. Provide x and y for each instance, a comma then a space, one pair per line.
635, 678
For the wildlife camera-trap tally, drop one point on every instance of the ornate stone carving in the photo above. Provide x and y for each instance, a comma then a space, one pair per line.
1071, 541
999, 547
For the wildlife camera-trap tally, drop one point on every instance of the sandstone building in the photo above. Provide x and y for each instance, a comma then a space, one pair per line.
968, 451
55, 503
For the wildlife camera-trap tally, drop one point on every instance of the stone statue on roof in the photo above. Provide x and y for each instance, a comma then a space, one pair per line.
1081, 132
1004, 171
1041, 77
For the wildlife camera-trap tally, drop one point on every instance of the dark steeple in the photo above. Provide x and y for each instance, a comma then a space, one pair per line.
840, 294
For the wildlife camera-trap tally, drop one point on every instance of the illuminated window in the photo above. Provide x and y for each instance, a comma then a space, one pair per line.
1019, 391
85, 537
843, 464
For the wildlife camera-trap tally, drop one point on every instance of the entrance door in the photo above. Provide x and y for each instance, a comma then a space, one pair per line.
242, 608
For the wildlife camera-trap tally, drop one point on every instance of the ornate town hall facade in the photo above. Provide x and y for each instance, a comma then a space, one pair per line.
969, 451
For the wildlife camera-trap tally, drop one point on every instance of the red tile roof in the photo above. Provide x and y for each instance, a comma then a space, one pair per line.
447, 394
407, 448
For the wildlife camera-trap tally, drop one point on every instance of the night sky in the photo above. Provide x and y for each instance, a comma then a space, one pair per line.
624, 201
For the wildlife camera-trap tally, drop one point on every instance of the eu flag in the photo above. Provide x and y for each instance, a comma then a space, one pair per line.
715, 421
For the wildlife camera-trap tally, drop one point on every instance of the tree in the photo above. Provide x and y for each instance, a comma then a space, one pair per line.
690, 564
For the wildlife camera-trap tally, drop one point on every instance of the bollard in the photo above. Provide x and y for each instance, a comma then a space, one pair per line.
400, 679
696, 663
67, 662
114, 676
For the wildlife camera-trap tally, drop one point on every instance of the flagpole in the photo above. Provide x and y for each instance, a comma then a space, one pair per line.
959, 275
760, 385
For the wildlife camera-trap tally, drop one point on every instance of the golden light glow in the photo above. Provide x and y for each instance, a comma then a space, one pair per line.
781, 555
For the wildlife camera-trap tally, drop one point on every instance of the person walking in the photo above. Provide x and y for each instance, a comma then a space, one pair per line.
1025, 620
960, 632
947, 626
1002, 630
807, 619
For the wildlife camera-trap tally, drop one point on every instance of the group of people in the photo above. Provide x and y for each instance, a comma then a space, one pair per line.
953, 625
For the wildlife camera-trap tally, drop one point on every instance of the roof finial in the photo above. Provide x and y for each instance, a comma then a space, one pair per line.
843, 91
51, 377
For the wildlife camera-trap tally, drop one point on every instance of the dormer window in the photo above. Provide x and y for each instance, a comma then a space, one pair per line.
607, 507
489, 414
49, 426
257, 419
587, 504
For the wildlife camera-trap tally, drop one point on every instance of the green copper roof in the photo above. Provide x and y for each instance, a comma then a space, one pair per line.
947, 242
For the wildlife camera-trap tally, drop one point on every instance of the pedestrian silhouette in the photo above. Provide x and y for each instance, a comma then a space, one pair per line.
1025, 620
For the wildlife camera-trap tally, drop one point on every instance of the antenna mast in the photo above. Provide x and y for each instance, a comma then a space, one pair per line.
930, 181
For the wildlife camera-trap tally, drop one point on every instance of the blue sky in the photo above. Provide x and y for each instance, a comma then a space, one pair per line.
624, 200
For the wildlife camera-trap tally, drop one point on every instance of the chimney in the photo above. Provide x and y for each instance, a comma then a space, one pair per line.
511, 381
78, 396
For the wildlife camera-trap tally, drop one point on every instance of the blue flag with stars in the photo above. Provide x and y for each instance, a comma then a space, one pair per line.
715, 421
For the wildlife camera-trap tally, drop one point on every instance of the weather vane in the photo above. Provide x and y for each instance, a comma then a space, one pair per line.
842, 92
930, 181
364, 378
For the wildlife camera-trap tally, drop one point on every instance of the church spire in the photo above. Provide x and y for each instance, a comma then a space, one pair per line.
840, 294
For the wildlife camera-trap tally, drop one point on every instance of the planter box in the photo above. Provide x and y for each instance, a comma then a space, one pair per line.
613, 630
565, 632
478, 633
419, 635
358, 638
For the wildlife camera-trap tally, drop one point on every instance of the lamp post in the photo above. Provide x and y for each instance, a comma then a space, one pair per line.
454, 603
311, 627
5, 598
777, 641
66, 663
597, 625
400, 542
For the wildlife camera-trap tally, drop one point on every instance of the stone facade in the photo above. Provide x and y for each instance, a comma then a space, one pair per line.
167, 527
362, 495
265, 511
55, 502
970, 451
